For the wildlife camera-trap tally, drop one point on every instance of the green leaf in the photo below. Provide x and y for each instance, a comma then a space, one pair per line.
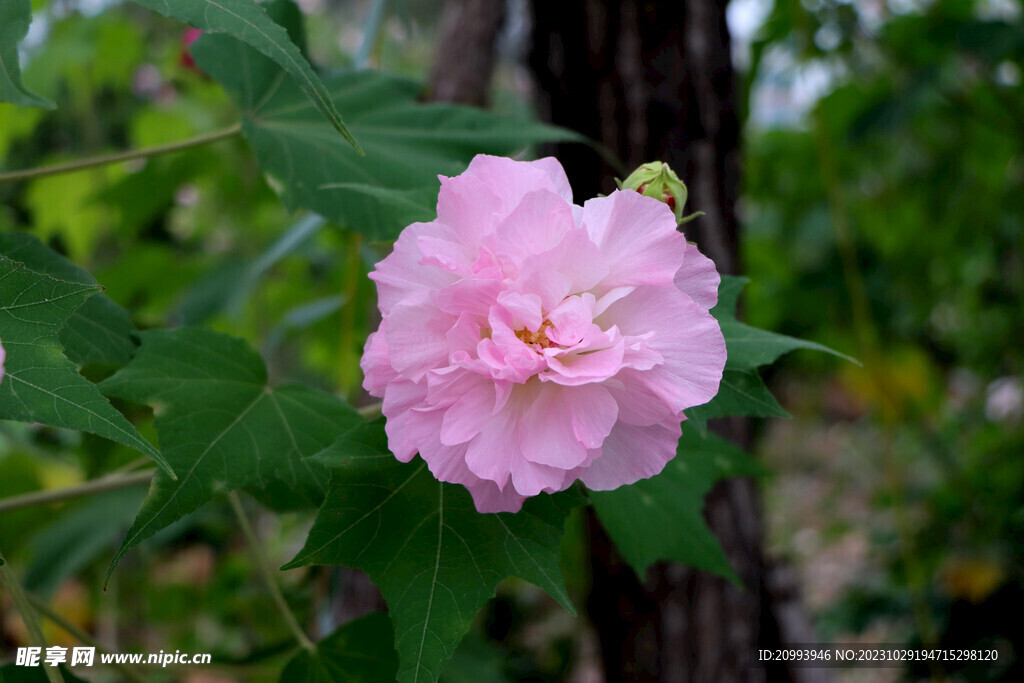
661, 518
434, 557
99, 331
250, 24
742, 392
749, 347
221, 425
361, 651
15, 16
407, 143
40, 383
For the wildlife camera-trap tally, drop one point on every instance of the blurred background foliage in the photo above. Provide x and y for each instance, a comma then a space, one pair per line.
883, 215
882, 212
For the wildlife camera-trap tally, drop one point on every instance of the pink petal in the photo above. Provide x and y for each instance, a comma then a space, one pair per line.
416, 337
593, 366
594, 412
375, 363
407, 428
637, 236
632, 453
688, 338
469, 413
546, 432
573, 266
512, 180
400, 275
698, 278
489, 498
469, 295
444, 254
526, 308
537, 224
468, 207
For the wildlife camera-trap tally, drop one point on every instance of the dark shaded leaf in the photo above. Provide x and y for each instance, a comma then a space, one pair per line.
434, 557
661, 518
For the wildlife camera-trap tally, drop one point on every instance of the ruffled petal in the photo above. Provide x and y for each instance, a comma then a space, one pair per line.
698, 278
638, 238
632, 453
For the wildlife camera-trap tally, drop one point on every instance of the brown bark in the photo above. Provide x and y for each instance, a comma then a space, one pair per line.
466, 39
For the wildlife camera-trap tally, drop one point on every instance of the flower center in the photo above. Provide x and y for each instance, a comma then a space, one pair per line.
538, 337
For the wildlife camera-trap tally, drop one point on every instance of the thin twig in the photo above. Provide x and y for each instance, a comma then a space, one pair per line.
268, 573
108, 483
117, 157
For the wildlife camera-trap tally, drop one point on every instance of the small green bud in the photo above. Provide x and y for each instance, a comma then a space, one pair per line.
658, 180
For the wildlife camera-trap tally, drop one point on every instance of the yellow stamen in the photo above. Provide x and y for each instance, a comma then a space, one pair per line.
538, 337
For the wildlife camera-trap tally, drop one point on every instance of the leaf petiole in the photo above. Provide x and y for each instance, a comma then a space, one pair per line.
118, 157
267, 573
101, 485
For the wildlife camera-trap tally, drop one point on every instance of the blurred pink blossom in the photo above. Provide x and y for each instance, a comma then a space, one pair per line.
189, 36
3, 357
528, 342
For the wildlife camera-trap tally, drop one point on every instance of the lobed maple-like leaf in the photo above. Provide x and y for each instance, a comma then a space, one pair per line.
221, 425
40, 384
435, 558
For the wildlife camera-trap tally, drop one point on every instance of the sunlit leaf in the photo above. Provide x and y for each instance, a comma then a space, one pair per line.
434, 557
15, 16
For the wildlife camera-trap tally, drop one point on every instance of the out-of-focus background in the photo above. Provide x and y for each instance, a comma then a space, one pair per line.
880, 208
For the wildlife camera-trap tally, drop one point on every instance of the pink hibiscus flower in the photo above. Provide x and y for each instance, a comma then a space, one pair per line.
528, 342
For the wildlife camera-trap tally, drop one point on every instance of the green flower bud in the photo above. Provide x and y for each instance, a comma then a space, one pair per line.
658, 180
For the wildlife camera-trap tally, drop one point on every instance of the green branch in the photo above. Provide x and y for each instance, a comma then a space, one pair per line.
109, 483
105, 159
263, 565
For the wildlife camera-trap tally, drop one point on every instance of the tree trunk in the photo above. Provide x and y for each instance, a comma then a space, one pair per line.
466, 37
654, 81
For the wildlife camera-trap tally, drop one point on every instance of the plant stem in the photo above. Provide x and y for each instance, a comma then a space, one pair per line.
263, 565
44, 609
109, 483
117, 157
28, 615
